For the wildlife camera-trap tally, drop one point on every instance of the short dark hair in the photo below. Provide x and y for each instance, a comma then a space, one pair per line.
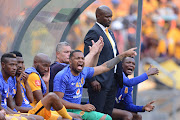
17, 53
125, 58
74, 51
7, 55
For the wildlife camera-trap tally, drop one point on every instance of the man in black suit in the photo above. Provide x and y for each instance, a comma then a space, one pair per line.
102, 88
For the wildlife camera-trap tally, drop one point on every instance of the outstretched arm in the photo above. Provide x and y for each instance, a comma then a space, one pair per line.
136, 80
152, 71
92, 57
129, 103
111, 63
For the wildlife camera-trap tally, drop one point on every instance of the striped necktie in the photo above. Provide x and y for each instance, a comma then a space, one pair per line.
108, 35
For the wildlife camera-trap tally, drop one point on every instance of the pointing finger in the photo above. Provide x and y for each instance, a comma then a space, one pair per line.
151, 102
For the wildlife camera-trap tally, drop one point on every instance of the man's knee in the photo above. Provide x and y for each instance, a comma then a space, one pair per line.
139, 117
52, 96
128, 116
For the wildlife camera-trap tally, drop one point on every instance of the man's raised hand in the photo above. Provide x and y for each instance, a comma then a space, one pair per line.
131, 52
23, 76
149, 107
96, 48
152, 71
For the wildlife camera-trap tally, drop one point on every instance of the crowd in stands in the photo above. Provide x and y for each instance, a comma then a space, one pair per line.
13, 13
160, 26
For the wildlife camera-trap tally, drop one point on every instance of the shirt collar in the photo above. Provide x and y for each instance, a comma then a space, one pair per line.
101, 26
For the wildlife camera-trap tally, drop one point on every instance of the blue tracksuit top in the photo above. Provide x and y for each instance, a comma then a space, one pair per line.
123, 98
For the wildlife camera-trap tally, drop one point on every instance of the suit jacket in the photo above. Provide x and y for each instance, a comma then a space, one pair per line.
107, 79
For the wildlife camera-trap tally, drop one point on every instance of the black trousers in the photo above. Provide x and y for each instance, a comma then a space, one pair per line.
103, 100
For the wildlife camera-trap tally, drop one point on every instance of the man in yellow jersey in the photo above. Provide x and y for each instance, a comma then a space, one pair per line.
41, 104
26, 90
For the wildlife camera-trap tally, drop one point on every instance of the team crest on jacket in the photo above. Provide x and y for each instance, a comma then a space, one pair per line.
14, 91
80, 84
126, 90
82, 81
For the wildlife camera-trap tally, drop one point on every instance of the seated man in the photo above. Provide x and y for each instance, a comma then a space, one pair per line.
41, 104
29, 98
20, 79
63, 50
8, 68
124, 107
24, 86
68, 83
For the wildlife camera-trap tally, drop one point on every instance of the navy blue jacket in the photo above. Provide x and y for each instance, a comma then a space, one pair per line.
107, 79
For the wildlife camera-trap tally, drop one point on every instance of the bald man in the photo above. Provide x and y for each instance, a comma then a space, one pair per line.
41, 104
102, 88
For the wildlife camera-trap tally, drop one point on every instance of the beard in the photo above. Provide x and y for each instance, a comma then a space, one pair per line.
39, 71
18, 73
75, 70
